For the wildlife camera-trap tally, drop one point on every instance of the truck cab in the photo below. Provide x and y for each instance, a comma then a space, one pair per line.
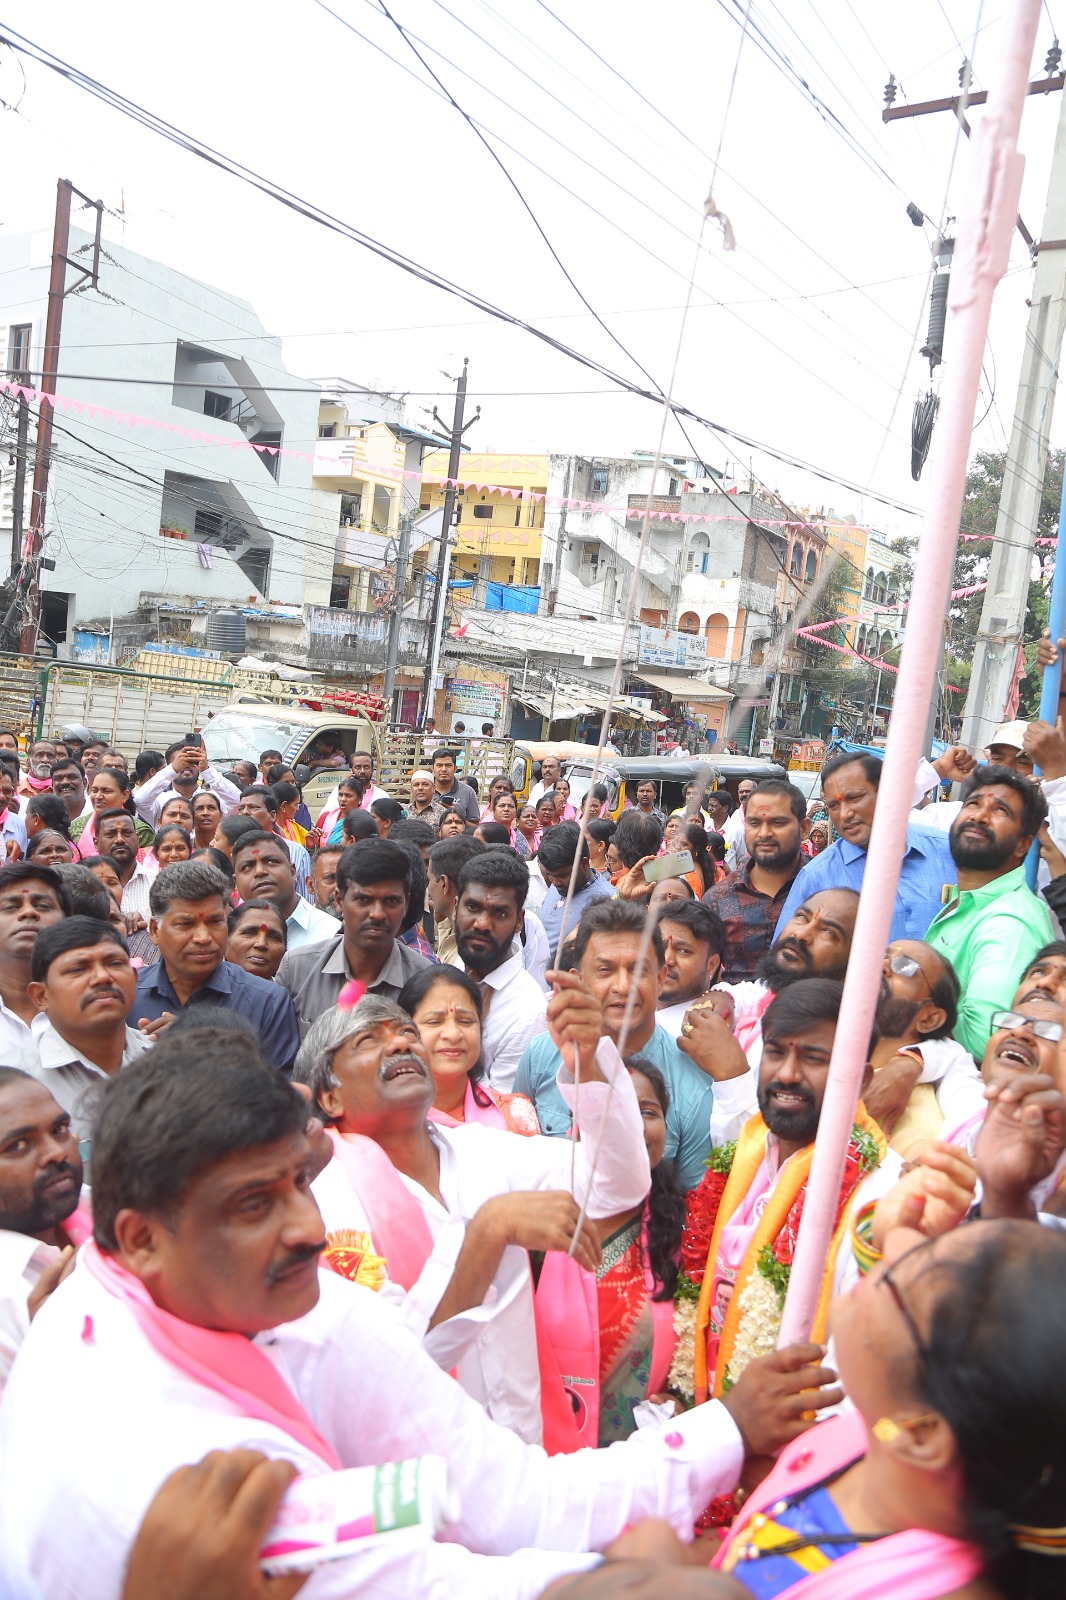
242, 731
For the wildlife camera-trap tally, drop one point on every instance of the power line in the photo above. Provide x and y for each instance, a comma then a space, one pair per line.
313, 213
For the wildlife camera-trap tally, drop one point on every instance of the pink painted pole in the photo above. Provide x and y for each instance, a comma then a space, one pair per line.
981, 254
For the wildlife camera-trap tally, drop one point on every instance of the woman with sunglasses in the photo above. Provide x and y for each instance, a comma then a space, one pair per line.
949, 1477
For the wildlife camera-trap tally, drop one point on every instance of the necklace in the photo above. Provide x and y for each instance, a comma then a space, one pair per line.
753, 1550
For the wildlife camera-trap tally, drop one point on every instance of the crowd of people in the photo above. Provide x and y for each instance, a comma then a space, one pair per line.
478, 1127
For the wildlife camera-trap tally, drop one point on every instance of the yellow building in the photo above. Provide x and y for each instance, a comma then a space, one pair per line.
848, 541
498, 534
370, 457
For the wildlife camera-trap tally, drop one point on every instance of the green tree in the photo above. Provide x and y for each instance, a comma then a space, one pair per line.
980, 509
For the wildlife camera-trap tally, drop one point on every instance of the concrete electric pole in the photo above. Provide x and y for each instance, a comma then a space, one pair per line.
58, 289
444, 558
396, 620
1002, 626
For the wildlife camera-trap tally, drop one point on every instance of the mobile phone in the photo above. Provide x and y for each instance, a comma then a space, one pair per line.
193, 740
668, 866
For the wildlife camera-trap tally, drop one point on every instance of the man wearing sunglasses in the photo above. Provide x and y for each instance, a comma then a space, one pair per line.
923, 1078
1023, 1041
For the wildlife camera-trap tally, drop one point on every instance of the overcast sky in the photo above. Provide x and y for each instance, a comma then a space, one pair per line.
801, 338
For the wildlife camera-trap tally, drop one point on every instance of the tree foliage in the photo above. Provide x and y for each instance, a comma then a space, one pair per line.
980, 509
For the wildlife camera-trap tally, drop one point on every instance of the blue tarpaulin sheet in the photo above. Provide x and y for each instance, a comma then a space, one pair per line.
511, 597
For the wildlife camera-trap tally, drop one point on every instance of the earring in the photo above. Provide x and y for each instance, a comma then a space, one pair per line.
886, 1431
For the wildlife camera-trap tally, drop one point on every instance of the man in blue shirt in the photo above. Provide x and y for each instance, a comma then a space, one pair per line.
849, 789
607, 947
188, 903
558, 849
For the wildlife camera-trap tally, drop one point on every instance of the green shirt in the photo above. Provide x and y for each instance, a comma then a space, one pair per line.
990, 936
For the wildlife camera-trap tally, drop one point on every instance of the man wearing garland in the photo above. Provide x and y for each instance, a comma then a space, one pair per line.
742, 1220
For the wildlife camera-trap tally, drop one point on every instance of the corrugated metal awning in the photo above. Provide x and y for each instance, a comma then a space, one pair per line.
683, 687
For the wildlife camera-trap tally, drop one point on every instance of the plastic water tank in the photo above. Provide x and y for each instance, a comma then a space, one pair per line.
226, 631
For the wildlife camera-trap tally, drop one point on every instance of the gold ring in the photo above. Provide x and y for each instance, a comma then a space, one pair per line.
686, 1029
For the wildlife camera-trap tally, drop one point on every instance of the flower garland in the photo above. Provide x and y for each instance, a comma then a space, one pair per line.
761, 1299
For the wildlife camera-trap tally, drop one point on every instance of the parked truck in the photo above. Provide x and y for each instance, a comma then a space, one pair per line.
240, 715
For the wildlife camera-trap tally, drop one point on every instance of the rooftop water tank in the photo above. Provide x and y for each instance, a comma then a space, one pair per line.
226, 632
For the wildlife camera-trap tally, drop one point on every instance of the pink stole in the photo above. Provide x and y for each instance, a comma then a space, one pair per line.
78, 1227
513, 1113
398, 1225
227, 1363
913, 1565
568, 1315
402, 1237
749, 1024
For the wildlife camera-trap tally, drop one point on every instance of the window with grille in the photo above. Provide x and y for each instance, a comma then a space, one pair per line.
18, 350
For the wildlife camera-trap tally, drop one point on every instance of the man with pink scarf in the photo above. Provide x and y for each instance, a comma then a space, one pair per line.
197, 1320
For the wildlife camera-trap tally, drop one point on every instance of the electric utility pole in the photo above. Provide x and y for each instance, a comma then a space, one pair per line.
1002, 626
396, 620
444, 557
18, 503
58, 289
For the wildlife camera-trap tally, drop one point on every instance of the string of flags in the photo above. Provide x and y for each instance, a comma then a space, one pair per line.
132, 419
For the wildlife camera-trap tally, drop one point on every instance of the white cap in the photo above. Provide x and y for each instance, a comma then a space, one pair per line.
1012, 733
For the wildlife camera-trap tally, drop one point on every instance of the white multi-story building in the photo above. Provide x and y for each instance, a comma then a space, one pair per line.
153, 494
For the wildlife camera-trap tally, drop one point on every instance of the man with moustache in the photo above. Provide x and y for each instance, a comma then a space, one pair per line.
923, 1077
750, 900
41, 1221
995, 923
83, 986
751, 1221
815, 943
197, 1320
32, 896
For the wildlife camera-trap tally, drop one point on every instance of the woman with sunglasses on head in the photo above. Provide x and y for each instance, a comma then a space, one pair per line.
560, 793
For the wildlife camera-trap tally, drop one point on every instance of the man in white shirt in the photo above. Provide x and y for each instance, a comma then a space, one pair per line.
83, 986
470, 1295
733, 828
116, 836
202, 1208
187, 767
550, 771
263, 870
693, 941
488, 917
32, 897
40, 1219
261, 804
